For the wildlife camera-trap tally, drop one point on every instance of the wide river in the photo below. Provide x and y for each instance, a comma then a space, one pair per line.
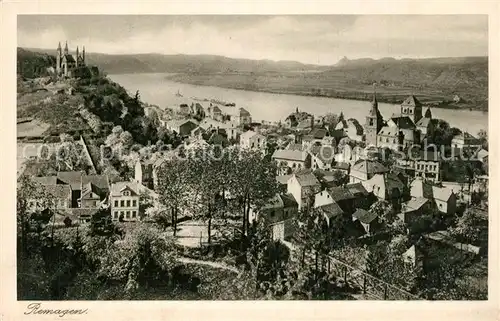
157, 90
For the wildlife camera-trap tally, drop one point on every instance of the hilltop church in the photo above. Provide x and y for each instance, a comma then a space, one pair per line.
66, 63
401, 130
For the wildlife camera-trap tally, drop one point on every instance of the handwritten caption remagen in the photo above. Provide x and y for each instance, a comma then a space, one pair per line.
36, 308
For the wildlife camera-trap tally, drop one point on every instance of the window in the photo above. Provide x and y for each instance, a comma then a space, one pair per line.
116, 203
134, 214
394, 141
440, 205
127, 214
122, 203
126, 193
387, 140
121, 213
116, 214
134, 203
411, 111
404, 110
128, 203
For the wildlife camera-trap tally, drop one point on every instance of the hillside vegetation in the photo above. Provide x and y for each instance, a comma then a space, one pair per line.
88, 104
435, 81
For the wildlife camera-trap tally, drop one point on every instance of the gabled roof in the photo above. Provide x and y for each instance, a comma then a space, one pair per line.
296, 146
403, 122
364, 216
69, 58
389, 181
90, 191
369, 166
421, 189
415, 204
216, 109
294, 155
340, 193
244, 112
423, 122
100, 181
118, 187
283, 179
411, 101
74, 179
389, 131
273, 202
47, 180
176, 123
330, 210
306, 178
468, 138
357, 189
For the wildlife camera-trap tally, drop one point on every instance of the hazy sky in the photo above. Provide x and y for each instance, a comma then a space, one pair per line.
309, 39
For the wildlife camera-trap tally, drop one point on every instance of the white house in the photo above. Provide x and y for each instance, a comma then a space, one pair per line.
125, 201
444, 198
302, 186
253, 140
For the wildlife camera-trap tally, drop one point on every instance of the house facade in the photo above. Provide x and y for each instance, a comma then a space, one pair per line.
124, 200
365, 169
303, 186
253, 140
279, 213
292, 160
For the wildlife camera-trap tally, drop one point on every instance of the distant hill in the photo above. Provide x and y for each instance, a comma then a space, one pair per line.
31, 64
435, 80
158, 63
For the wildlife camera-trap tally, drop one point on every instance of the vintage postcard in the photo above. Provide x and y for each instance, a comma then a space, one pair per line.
197, 157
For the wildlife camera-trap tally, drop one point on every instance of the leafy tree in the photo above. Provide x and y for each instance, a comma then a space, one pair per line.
384, 211
101, 223
468, 227
254, 182
173, 187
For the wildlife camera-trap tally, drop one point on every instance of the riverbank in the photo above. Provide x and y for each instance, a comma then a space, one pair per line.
301, 85
157, 89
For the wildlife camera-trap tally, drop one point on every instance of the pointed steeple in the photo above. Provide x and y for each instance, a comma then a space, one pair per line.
374, 99
428, 113
66, 48
83, 54
59, 46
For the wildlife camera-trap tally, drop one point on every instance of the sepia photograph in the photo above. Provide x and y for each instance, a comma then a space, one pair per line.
252, 157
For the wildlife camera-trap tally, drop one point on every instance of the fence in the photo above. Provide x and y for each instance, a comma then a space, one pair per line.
368, 285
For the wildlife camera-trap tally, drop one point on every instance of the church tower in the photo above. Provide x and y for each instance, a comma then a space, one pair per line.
58, 59
373, 123
66, 51
412, 108
83, 55
77, 57
428, 113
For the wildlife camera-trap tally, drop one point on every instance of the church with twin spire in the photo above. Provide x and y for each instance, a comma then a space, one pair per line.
400, 131
66, 64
